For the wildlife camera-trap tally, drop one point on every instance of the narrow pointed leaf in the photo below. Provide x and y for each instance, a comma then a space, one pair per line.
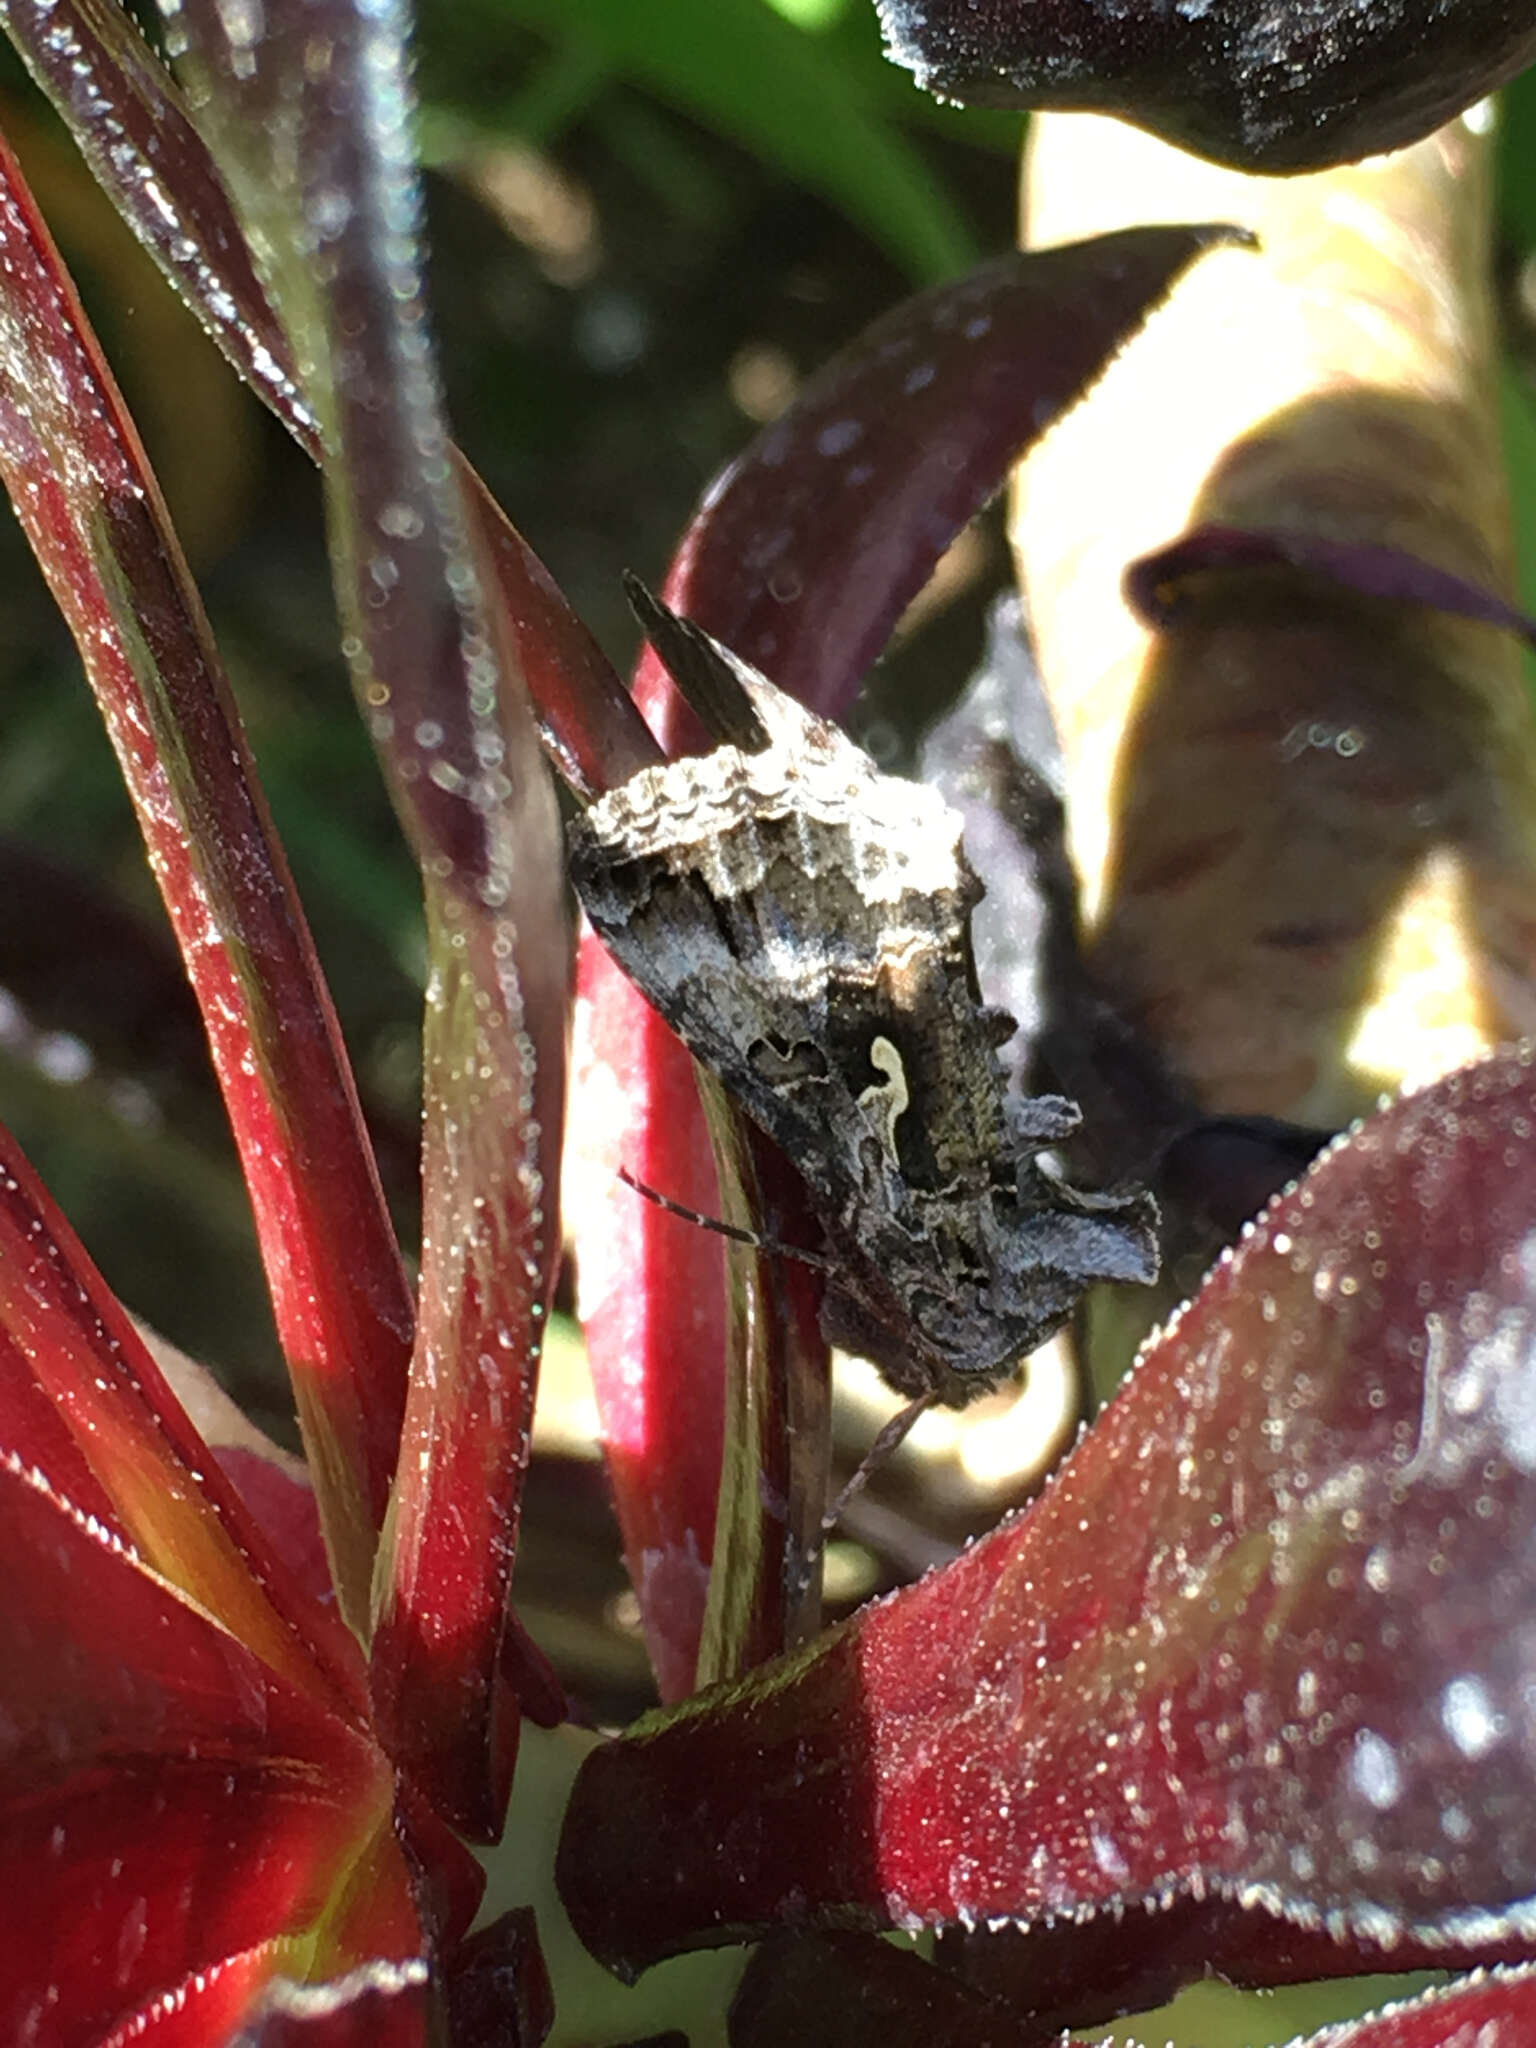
668, 1329
778, 1420
90, 57
308, 108
165, 183
651, 1297
1267, 1637
84, 494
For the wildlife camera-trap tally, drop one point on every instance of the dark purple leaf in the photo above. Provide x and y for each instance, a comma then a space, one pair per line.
1070, 1975
1264, 88
853, 1991
1269, 1636
1161, 586
498, 1990
806, 552
134, 131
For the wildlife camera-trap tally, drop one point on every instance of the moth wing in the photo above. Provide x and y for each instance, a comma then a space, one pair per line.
738, 985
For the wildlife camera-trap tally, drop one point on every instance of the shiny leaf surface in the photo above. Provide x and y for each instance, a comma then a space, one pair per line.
84, 1404
1280, 89
83, 492
159, 1780
1268, 1636
131, 123
1496, 2011
309, 108
133, 130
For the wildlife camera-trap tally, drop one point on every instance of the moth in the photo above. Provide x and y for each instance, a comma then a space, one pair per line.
802, 921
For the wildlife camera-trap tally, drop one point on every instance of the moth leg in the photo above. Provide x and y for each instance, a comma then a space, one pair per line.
889, 1440
731, 1230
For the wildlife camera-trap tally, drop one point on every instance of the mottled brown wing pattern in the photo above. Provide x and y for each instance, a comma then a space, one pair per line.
802, 922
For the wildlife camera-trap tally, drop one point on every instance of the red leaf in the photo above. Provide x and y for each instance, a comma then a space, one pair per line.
1268, 1636
83, 1403
651, 1296
36, 1433
166, 1799
1496, 2011
380, 2005
93, 515
314, 154
207, 2006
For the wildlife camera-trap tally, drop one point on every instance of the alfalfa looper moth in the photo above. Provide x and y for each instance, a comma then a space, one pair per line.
803, 923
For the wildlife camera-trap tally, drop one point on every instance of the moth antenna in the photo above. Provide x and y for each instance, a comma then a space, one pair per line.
889, 1440
701, 668
730, 1230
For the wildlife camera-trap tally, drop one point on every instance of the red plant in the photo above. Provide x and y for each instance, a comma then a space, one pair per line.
1250, 1688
